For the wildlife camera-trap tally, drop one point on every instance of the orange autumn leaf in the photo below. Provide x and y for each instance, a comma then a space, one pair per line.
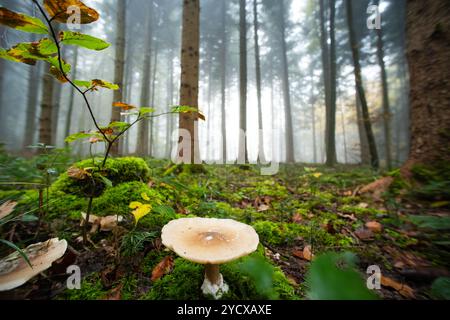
164, 267
123, 106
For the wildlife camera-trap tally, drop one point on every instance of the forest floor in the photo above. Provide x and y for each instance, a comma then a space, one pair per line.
299, 213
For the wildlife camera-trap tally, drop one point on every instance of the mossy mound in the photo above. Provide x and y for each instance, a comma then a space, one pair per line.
185, 281
119, 170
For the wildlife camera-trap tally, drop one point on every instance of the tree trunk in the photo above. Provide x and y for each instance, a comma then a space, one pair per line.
331, 108
169, 104
190, 76
142, 143
72, 93
223, 79
261, 153
363, 143
290, 158
428, 52
360, 88
45, 119
243, 154
152, 101
119, 64
32, 105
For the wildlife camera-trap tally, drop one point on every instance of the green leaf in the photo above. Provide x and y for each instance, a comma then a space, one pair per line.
262, 274
119, 125
164, 210
144, 111
22, 22
78, 136
332, 276
54, 61
104, 84
29, 52
431, 222
13, 246
106, 181
82, 83
183, 109
440, 288
82, 40
4, 55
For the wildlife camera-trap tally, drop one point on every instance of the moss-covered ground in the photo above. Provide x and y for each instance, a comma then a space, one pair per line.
299, 210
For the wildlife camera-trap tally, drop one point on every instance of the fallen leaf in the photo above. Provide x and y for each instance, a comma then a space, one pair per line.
403, 289
307, 254
297, 253
347, 216
378, 187
77, 173
116, 293
297, 218
374, 226
364, 234
164, 267
7, 208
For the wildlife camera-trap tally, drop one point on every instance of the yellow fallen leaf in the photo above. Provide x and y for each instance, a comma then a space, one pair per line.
141, 212
135, 204
145, 196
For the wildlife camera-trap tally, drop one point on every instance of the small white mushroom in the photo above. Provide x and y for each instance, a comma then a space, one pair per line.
210, 242
15, 271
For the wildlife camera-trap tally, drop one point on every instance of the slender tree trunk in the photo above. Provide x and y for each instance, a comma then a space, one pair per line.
45, 119
152, 101
143, 127
72, 93
119, 64
190, 76
169, 104
243, 154
360, 88
32, 105
344, 134
223, 79
428, 52
331, 108
363, 143
208, 102
290, 154
261, 153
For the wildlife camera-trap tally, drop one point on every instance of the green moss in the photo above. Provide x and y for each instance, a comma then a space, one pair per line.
272, 233
91, 289
185, 281
348, 209
118, 171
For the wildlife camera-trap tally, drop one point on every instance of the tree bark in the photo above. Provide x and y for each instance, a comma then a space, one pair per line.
261, 153
190, 76
360, 88
32, 105
331, 108
363, 143
428, 52
223, 79
72, 93
290, 158
243, 154
152, 101
119, 64
143, 127
169, 104
45, 119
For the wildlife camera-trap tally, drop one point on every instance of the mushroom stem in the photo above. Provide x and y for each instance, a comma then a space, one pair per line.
212, 273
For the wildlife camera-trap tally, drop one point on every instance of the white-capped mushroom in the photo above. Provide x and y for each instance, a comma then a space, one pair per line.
210, 242
15, 271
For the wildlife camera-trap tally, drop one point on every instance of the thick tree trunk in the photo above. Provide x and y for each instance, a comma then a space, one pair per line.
428, 52
243, 154
223, 79
331, 108
72, 93
360, 88
290, 157
143, 128
190, 60
363, 144
261, 153
119, 64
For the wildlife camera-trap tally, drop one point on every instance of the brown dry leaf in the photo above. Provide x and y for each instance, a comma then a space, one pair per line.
297, 253
164, 267
6, 208
403, 289
77, 173
116, 293
378, 187
364, 234
347, 216
307, 254
297, 218
374, 226
61, 11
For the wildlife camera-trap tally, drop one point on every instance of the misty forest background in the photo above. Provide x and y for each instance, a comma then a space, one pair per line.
298, 65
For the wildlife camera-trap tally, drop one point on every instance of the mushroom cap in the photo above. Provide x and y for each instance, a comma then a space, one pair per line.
209, 241
15, 271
